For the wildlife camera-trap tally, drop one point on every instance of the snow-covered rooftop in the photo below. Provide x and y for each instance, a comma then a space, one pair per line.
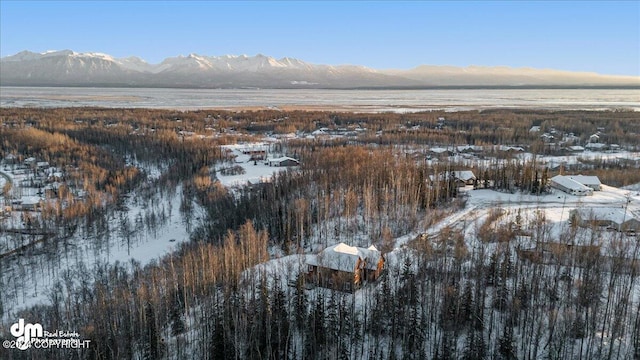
614, 214
438, 150
585, 179
595, 146
509, 148
463, 175
282, 158
343, 257
569, 183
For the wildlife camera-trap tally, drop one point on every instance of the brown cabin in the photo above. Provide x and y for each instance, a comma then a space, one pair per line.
346, 268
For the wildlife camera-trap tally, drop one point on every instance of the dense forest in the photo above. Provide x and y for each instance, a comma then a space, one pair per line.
236, 289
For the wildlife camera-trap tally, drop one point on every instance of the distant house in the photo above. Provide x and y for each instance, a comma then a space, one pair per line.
26, 203
570, 138
547, 138
575, 148
594, 138
617, 219
31, 161
469, 148
461, 177
256, 153
283, 161
535, 129
510, 149
595, 146
345, 267
441, 152
590, 181
465, 176
569, 186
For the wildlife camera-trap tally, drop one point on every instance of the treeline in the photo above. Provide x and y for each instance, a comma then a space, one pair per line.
465, 127
340, 191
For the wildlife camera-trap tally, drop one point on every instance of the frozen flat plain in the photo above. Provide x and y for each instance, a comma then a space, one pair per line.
321, 99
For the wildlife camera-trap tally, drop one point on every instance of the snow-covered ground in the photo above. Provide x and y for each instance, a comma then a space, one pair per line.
26, 280
255, 171
554, 207
609, 196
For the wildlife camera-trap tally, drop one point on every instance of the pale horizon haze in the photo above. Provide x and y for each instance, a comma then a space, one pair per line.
591, 36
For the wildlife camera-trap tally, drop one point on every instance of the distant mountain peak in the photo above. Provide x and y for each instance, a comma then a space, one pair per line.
66, 67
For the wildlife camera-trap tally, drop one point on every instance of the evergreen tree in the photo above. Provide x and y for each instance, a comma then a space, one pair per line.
151, 343
280, 323
176, 315
506, 348
475, 348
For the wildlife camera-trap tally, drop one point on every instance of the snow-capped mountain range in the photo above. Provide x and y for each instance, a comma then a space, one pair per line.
69, 68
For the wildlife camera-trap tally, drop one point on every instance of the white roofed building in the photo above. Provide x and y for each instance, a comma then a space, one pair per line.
466, 176
590, 181
596, 146
570, 186
283, 161
616, 218
575, 148
345, 267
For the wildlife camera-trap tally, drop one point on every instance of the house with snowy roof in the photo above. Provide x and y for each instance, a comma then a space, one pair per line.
547, 138
575, 148
616, 218
283, 161
26, 203
465, 176
596, 146
469, 148
30, 161
460, 177
570, 186
509, 149
344, 267
441, 152
589, 181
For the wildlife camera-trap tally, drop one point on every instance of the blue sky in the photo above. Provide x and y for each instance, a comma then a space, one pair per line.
601, 37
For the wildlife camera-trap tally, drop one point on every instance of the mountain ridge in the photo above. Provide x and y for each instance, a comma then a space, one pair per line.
70, 68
